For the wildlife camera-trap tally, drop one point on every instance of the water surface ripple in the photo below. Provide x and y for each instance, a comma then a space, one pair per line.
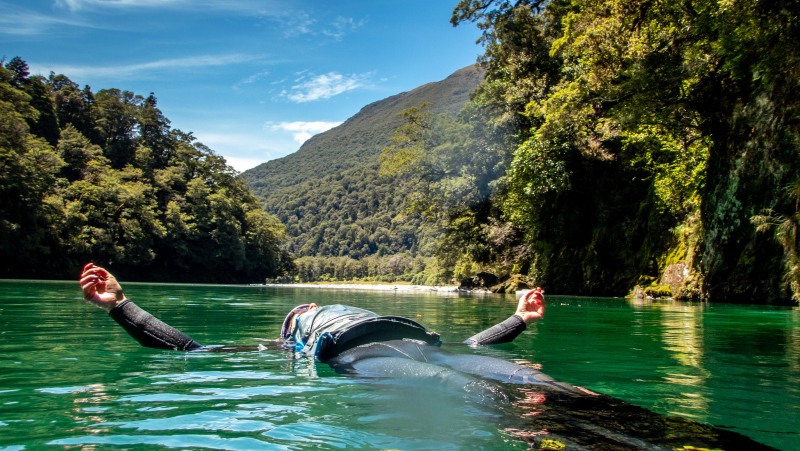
70, 377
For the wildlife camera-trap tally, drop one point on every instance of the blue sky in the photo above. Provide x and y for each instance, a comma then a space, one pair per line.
252, 79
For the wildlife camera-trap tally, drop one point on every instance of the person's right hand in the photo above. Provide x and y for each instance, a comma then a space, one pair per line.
531, 305
100, 287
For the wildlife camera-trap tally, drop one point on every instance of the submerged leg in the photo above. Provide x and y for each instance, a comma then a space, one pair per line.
432, 376
498, 369
408, 360
396, 358
423, 359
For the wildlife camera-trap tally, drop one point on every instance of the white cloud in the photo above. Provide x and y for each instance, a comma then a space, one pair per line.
242, 164
129, 70
325, 86
251, 79
18, 21
302, 131
299, 23
305, 23
24, 22
76, 5
248, 7
244, 150
341, 27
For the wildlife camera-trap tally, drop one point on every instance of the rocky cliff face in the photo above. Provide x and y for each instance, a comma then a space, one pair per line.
754, 160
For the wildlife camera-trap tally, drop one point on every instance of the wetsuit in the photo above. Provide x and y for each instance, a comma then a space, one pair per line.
353, 340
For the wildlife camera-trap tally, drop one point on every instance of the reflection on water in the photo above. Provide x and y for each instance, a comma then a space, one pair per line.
683, 338
70, 377
793, 347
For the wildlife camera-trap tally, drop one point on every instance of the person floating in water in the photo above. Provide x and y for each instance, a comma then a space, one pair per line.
351, 340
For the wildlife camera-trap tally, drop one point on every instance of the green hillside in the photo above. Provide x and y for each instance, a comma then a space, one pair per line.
329, 193
611, 146
359, 140
103, 177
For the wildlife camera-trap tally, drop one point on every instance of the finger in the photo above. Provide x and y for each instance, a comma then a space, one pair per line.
89, 279
93, 282
535, 303
91, 269
532, 296
89, 290
97, 271
101, 272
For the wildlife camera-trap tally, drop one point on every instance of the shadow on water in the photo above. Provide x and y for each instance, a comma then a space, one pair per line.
606, 423
536, 417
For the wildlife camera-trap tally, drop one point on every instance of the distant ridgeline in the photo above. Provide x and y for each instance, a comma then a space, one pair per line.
650, 149
337, 207
102, 177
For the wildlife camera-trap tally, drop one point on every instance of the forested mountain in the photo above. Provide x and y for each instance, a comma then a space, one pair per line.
102, 177
610, 145
360, 139
329, 193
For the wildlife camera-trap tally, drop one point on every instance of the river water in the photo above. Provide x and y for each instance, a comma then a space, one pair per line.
70, 377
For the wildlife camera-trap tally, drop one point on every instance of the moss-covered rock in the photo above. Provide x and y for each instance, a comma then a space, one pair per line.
658, 291
511, 284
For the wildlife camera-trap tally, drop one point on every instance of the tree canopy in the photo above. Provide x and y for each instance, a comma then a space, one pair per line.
103, 177
646, 134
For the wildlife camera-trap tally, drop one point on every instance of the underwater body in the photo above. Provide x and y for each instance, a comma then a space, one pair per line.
70, 376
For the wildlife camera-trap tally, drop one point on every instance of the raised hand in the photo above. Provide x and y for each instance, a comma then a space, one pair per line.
531, 305
100, 287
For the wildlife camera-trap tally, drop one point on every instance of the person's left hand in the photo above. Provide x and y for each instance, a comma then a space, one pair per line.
100, 287
531, 305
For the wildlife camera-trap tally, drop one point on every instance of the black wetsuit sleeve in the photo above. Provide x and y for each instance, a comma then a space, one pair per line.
503, 332
149, 330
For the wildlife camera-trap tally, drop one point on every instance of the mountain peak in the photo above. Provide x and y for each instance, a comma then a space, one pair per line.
362, 137
329, 194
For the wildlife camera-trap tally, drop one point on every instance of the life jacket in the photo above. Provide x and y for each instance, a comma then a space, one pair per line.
327, 331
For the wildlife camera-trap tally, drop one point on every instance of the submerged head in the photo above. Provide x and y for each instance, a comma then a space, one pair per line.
287, 329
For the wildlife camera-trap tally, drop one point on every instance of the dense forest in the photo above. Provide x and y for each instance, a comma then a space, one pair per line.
610, 145
102, 177
638, 139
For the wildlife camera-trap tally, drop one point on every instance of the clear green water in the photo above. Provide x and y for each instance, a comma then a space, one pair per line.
71, 378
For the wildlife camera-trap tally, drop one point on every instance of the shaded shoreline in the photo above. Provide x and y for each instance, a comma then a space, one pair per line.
399, 287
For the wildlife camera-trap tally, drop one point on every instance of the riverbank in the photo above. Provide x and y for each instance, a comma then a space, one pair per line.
372, 287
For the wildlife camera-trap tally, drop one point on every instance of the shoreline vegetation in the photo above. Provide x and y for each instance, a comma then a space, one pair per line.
372, 286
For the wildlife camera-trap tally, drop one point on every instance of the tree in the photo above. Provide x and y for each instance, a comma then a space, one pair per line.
28, 170
121, 189
785, 227
19, 70
114, 119
73, 105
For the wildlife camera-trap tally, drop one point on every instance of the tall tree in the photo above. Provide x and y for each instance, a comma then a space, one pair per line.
19, 71
662, 128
